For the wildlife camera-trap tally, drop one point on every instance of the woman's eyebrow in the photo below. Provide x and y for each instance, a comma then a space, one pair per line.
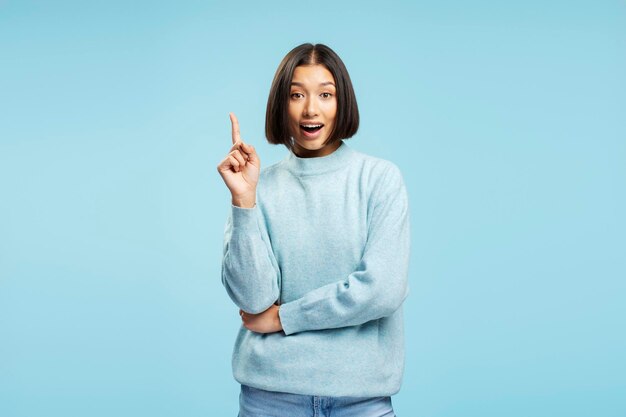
302, 85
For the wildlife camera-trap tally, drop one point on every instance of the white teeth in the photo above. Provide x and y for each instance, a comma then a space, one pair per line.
312, 126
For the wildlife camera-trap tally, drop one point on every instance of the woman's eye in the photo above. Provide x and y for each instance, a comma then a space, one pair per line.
326, 95
296, 95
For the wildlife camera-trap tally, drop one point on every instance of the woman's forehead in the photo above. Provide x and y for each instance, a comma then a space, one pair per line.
312, 75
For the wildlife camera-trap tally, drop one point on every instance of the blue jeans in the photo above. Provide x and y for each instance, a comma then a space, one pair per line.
254, 402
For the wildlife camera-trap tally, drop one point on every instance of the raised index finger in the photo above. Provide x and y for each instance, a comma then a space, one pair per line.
235, 128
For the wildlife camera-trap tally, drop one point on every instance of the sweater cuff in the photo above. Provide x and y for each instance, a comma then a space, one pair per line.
287, 313
244, 217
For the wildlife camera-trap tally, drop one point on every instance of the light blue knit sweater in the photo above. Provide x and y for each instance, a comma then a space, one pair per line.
328, 240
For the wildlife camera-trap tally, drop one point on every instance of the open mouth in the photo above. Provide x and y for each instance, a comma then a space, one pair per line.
311, 128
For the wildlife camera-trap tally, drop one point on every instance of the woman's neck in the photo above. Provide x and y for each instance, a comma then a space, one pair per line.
329, 148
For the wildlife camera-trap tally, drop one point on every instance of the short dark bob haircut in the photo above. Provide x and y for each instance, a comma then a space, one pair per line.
277, 116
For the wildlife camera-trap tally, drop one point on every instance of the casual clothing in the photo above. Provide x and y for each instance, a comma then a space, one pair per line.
328, 241
254, 402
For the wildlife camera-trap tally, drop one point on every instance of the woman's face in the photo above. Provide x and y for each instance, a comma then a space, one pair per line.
312, 110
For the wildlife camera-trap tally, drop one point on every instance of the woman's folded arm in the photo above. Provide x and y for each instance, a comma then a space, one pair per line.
378, 286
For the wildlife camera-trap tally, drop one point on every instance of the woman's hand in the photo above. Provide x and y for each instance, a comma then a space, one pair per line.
265, 322
240, 169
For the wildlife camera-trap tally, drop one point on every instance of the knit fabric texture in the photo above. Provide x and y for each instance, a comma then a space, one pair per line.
328, 241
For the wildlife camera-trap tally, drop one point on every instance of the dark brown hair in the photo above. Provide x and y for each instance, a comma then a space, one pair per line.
277, 119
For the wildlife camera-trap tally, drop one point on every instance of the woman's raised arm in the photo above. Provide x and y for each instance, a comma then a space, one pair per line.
250, 272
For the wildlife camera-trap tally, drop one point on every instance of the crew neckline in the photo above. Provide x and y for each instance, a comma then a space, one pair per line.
319, 164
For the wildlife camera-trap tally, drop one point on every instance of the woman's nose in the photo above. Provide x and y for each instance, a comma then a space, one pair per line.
310, 108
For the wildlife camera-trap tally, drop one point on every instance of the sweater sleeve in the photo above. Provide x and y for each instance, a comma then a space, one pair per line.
379, 285
250, 272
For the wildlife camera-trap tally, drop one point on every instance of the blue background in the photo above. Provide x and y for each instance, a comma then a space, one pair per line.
506, 118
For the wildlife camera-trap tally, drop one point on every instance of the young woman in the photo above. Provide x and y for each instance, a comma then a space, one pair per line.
316, 253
